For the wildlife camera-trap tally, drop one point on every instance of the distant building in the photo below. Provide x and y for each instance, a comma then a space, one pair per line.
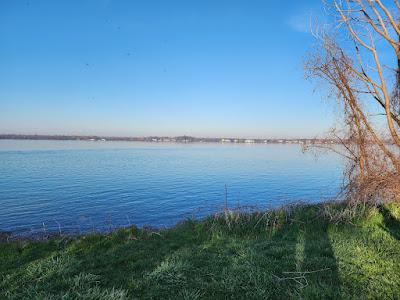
249, 141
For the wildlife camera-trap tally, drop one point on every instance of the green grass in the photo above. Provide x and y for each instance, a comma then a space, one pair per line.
292, 253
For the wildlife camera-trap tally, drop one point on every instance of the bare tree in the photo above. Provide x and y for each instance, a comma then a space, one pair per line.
360, 60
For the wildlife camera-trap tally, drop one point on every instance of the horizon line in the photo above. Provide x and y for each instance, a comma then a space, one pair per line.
76, 136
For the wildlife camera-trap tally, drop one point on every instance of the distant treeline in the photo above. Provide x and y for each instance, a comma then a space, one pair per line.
178, 139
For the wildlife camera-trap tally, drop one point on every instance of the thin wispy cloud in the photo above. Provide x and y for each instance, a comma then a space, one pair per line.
300, 23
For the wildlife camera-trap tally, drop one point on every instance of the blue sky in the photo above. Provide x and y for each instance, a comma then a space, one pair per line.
135, 68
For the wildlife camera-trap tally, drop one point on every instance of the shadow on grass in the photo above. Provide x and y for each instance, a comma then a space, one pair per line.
223, 263
391, 224
316, 275
320, 261
200, 260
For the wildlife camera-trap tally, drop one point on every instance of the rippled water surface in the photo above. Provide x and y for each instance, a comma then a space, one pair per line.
82, 185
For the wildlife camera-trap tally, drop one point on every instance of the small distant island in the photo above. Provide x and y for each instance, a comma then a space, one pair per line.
164, 139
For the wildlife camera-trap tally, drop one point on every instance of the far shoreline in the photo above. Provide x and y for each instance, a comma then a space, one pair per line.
179, 139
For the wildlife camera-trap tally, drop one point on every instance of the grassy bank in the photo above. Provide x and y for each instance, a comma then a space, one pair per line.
290, 253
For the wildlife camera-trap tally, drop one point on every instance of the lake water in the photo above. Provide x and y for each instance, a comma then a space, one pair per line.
82, 185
